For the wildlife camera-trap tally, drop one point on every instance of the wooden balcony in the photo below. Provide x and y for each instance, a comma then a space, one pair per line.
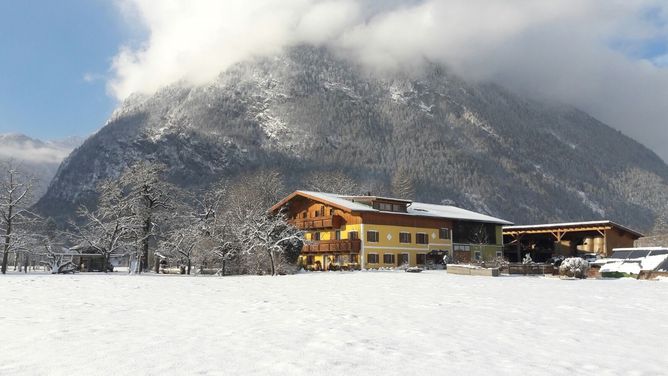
330, 221
332, 246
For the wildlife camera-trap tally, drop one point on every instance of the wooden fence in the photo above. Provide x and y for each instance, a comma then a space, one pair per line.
529, 269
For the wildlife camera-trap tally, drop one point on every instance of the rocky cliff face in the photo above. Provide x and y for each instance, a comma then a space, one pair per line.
472, 143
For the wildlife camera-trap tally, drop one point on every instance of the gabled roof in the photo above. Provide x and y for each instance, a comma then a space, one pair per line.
545, 226
329, 198
415, 208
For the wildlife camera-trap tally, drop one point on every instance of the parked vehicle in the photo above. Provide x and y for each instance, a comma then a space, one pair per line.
590, 257
628, 262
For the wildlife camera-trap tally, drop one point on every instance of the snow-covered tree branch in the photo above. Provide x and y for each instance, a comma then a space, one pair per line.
15, 192
108, 229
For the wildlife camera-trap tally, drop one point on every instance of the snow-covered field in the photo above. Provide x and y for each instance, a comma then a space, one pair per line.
363, 323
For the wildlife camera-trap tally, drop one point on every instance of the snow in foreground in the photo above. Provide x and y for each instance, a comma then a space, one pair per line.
382, 323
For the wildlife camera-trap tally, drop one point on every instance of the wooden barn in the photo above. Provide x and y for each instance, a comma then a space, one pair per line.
543, 241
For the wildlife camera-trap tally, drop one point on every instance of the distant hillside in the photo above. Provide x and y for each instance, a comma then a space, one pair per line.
476, 145
37, 158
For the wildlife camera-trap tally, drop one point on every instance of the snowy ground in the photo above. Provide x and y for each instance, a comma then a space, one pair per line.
363, 323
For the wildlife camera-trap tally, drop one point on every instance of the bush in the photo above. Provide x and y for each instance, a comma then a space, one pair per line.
574, 267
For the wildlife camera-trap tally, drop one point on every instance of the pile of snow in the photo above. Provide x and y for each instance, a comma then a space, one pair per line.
380, 323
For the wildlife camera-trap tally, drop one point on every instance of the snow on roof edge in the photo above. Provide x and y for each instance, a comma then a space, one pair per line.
569, 224
431, 210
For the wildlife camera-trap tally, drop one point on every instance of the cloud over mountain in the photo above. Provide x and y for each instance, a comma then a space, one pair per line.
595, 54
25, 149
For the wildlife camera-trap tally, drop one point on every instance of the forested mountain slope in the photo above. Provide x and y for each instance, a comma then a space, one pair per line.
474, 144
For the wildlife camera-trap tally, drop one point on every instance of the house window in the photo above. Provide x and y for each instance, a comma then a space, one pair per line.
352, 235
421, 258
398, 208
372, 236
404, 237
305, 215
499, 254
337, 235
404, 259
477, 255
421, 238
462, 247
331, 211
354, 259
372, 258
316, 236
444, 233
388, 258
310, 260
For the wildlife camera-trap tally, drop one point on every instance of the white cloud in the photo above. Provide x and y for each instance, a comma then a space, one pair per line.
660, 61
559, 49
92, 77
31, 152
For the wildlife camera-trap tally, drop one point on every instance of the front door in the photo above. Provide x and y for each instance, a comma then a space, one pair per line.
403, 259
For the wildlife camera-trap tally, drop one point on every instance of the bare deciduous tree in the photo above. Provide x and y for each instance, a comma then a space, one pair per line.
15, 193
257, 191
147, 194
47, 242
182, 243
269, 234
197, 230
106, 230
480, 235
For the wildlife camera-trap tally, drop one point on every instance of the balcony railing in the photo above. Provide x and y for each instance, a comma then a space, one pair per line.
332, 246
331, 221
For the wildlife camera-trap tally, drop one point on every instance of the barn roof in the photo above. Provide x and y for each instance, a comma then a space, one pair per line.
571, 225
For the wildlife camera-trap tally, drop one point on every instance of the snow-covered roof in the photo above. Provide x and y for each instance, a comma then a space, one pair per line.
414, 208
641, 249
572, 224
452, 212
338, 200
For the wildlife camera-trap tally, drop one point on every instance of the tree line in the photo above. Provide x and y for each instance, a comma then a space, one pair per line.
224, 228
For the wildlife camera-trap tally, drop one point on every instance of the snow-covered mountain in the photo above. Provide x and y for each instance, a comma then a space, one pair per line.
40, 159
476, 144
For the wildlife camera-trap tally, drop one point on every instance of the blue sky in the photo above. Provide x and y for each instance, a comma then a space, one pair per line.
47, 49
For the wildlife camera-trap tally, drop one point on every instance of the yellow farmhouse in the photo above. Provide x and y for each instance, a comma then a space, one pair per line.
373, 232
